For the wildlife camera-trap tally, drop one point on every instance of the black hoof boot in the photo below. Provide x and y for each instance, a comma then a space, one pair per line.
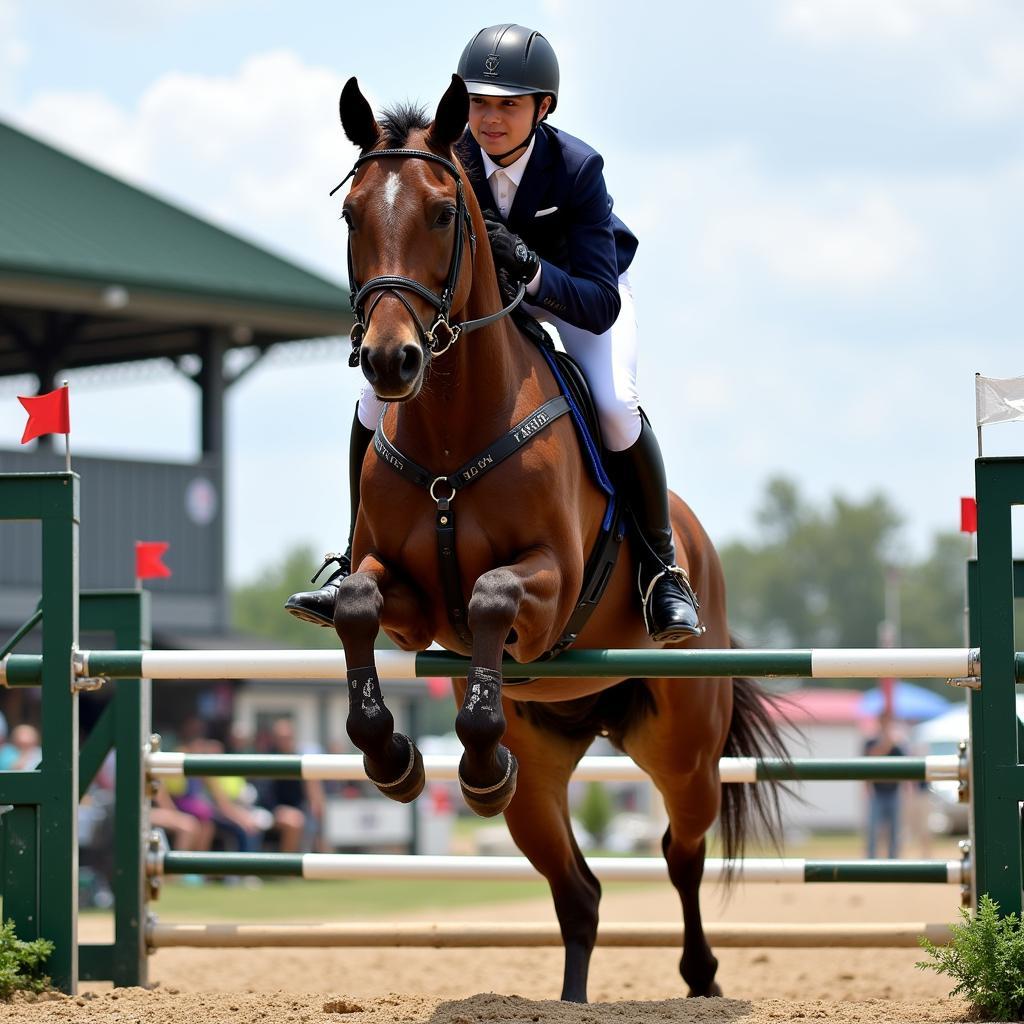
410, 783
488, 801
317, 606
671, 610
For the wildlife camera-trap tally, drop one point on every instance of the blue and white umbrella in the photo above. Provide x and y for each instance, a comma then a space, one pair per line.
909, 702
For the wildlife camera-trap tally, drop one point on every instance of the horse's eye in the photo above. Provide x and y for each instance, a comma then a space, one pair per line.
445, 217
346, 216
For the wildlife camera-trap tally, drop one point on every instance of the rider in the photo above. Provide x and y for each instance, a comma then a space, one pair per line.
550, 226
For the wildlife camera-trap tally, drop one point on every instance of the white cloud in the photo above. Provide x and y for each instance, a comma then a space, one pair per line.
828, 20
998, 89
14, 51
862, 243
737, 227
257, 150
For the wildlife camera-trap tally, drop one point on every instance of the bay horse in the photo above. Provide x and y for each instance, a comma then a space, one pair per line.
418, 255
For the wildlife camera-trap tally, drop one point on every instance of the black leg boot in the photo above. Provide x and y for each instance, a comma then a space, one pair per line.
669, 603
317, 606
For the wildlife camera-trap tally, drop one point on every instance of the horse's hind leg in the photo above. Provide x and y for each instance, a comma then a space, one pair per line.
538, 819
698, 965
679, 746
391, 760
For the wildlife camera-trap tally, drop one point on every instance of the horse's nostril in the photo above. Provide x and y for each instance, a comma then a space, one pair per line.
412, 360
366, 365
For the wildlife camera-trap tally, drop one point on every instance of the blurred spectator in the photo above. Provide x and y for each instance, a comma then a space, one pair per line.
296, 804
884, 797
23, 751
185, 831
232, 799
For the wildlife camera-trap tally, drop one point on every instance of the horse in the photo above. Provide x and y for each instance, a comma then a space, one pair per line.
418, 245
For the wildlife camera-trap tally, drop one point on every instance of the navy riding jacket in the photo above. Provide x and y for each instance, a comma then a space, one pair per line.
563, 212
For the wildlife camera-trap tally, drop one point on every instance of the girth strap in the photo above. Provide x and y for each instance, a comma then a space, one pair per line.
444, 488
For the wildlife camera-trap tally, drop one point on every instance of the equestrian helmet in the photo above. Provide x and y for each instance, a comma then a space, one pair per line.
510, 60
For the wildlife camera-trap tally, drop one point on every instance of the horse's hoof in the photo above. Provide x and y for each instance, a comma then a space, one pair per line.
713, 990
410, 783
487, 801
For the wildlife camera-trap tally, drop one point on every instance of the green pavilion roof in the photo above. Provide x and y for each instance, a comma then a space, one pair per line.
74, 238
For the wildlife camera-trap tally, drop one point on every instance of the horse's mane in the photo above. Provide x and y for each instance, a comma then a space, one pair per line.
400, 120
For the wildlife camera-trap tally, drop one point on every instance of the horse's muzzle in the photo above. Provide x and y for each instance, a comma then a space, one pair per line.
395, 373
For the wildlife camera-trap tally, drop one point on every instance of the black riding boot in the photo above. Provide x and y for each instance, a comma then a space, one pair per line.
318, 605
669, 603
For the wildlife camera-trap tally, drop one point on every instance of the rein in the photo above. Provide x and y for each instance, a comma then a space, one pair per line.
442, 333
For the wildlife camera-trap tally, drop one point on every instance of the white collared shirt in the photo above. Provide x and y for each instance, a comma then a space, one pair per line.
504, 183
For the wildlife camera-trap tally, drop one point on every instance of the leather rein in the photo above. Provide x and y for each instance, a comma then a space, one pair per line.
442, 333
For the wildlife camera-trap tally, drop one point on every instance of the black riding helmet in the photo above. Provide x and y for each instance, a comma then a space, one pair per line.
510, 60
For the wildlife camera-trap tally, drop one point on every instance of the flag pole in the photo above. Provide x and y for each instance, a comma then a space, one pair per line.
976, 416
67, 441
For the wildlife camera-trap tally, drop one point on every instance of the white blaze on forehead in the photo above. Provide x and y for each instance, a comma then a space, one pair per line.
391, 185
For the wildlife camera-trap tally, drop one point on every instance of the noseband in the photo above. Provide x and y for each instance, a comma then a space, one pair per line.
442, 334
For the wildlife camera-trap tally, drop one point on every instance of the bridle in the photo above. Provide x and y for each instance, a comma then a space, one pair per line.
442, 333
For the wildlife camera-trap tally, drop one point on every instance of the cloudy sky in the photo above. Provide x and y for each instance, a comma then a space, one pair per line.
829, 196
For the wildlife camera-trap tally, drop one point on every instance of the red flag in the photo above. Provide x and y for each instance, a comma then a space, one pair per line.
47, 414
968, 515
439, 686
147, 559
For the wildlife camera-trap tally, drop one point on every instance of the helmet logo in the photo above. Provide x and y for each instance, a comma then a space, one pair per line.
491, 65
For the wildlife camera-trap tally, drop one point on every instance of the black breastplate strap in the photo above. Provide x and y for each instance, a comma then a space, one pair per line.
444, 488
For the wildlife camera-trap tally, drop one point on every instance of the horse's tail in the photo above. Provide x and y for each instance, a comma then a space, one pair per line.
755, 731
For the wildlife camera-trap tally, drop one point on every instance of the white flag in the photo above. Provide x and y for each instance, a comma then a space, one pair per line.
999, 400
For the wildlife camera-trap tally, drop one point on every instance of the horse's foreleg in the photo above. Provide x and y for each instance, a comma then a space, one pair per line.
487, 772
391, 760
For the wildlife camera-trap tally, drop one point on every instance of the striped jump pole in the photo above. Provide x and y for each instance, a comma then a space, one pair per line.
324, 866
444, 768
859, 663
474, 935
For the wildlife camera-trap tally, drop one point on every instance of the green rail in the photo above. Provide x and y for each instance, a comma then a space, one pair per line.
870, 663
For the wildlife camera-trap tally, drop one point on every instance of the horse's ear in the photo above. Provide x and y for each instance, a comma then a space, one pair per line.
452, 115
357, 117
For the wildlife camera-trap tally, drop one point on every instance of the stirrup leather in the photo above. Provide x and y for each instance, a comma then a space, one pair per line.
684, 579
343, 559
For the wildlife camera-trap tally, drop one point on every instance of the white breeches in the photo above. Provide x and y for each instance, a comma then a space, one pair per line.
608, 361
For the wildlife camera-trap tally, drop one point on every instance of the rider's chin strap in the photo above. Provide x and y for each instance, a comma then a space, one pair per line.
525, 142
522, 145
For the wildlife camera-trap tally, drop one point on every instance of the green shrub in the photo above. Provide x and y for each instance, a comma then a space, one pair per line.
21, 962
986, 957
596, 810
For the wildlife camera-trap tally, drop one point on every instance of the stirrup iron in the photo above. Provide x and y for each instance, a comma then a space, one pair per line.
684, 578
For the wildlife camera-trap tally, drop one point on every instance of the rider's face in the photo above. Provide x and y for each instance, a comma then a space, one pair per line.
500, 122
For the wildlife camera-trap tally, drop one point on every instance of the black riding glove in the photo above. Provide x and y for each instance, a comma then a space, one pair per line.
511, 253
